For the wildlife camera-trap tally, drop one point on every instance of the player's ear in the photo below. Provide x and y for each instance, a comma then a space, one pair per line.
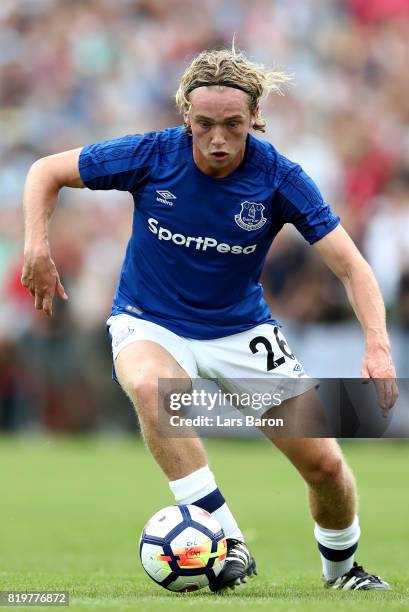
254, 115
186, 122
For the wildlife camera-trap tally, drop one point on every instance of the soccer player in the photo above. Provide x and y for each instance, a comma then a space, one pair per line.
209, 199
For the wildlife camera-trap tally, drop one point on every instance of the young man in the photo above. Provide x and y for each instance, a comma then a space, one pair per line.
209, 199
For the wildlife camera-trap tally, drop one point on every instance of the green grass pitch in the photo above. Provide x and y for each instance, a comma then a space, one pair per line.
71, 512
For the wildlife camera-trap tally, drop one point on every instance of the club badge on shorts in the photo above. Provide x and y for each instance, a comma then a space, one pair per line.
251, 216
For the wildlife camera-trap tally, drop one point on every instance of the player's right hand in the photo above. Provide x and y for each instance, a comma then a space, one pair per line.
41, 278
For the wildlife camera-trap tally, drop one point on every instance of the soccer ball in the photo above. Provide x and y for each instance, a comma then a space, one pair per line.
183, 548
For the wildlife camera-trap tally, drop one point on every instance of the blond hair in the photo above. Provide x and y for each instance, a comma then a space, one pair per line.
230, 68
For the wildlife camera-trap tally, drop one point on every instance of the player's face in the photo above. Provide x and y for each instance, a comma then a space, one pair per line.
220, 119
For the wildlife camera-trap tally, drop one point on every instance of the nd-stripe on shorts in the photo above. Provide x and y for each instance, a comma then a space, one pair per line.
256, 360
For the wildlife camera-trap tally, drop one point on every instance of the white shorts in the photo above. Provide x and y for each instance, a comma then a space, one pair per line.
256, 360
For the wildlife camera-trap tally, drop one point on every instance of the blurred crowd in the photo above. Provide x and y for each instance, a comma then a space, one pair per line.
73, 73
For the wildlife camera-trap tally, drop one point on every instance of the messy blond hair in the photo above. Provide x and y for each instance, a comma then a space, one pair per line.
231, 68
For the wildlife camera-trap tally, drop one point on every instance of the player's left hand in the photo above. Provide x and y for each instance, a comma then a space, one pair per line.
377, 365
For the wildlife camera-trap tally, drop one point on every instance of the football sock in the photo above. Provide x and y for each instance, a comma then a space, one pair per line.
337, 548
199, 488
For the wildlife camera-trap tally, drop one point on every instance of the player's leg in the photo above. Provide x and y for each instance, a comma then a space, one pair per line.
302, 416
138, 368
139, 364
264, 361
331, 486
333, 503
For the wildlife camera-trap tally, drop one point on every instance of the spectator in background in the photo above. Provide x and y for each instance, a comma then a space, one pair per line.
386, 241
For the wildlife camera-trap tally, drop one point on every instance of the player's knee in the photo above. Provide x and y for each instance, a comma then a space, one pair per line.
143, 392
144, 388
327, 468
149, 393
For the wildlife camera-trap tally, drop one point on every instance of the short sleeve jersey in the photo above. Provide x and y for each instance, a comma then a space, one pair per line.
198, 243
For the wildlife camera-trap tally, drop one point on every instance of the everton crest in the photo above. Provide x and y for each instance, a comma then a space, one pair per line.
251, 216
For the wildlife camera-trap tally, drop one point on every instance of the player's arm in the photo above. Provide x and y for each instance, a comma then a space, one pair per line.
44, 180
343, 258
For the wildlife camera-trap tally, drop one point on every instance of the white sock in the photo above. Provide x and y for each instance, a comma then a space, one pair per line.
200, 489
337, 548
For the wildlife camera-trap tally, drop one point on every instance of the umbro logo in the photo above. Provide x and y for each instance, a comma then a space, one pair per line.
165, 197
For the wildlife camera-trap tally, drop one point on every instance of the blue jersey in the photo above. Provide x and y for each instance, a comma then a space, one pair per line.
198, 243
